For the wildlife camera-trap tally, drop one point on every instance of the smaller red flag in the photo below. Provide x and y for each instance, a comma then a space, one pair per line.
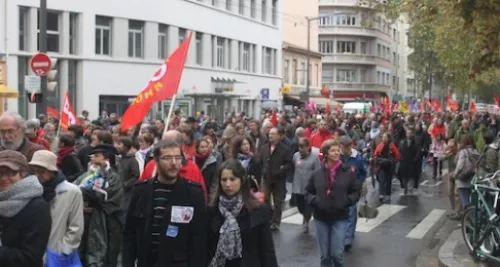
54, 113
274, 119
68, 116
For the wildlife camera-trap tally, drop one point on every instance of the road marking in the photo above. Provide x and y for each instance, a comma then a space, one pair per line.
426, 224
424, 182
384, 213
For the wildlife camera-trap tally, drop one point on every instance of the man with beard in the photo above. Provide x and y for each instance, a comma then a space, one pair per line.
165, 223
50, 135
13, 136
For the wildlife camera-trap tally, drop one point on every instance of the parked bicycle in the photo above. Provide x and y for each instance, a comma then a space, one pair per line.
481, 220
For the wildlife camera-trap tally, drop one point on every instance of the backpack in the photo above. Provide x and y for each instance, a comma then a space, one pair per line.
469, 168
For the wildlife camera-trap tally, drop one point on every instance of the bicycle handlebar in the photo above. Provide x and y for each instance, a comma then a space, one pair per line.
493, 176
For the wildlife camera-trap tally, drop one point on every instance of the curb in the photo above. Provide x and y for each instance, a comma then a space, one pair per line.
289, 212
446, 252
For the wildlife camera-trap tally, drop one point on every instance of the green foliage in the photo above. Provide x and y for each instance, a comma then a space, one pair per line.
457, 41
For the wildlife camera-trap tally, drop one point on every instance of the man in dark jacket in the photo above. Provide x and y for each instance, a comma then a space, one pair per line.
166, 220
277, 160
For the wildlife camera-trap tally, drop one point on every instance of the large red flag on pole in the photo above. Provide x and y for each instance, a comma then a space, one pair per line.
68, 116
163, 85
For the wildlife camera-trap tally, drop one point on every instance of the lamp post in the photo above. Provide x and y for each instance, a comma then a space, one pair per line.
42, 48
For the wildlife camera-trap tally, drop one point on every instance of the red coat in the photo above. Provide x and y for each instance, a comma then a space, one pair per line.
318, 138
189, 171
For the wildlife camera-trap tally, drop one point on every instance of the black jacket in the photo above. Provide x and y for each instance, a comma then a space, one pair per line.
410, 158
187, 249
71, 167
24, 237
256, 237
345, 192
276, 164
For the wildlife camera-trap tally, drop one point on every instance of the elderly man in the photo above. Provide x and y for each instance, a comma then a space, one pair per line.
13, 136
50, 135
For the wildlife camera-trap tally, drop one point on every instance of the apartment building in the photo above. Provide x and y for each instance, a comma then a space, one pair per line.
295, 41
364, 55
106, 51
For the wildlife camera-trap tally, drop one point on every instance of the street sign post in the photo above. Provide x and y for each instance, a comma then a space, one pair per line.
40, 64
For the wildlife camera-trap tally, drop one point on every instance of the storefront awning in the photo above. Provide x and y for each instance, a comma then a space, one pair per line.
7, 92
222, 80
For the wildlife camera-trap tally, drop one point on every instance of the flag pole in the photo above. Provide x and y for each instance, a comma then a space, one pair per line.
169, 116
60, 116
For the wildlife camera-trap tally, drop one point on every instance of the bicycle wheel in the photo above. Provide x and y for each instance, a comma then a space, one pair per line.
489, 245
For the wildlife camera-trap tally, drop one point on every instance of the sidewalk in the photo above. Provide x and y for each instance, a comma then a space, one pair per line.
454, 253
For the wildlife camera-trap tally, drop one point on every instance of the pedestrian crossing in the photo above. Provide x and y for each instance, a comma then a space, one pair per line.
386, 213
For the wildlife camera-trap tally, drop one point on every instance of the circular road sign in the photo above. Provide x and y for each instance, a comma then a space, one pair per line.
40, 64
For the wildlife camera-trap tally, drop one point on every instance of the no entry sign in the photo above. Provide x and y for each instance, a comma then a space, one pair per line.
40, 64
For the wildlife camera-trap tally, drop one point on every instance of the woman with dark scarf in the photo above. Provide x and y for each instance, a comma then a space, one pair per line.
305, 162
386, 154
67, 160
242, 151
239, 230
206, 161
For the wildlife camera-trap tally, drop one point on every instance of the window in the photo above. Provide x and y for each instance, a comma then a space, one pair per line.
220, 53
379, 50
349, 20
135, 38
387, 79
378, 77
326, 47
388, 52
52, 31
325, 20
23, 28
73, 33
286, 69
364, 48
327, 74
274, 12
394, 34
246, 57
252, 8
162, 41
229, 54
72, 82
199, 48
302, 73
103, 35
182, 35
241, 7
268, 61
362, 76
294, 71
229, 4
346, 75
316, 70
214, 2
393, 81
394, 58
346, 47
254, 58
263, 10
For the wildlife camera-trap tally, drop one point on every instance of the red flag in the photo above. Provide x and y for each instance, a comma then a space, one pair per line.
472, 106
497, 100
452, 105
68, 116
54, 113
274, 119
163, 85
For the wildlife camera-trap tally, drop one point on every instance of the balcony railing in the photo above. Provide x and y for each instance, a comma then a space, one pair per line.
358, 86
347, 58
354, 31
338, 2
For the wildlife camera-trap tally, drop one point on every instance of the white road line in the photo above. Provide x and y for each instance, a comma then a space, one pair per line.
424, 182
426, 224
294, 219
384, 213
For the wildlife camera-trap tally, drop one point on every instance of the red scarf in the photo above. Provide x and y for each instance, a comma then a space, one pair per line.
63, 152
201, 156
332, 175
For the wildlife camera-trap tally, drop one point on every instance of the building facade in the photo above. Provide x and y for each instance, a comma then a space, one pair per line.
107, 51
363, 53
295, 41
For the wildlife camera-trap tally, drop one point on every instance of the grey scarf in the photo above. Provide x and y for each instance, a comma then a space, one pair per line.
14, 199
229, 246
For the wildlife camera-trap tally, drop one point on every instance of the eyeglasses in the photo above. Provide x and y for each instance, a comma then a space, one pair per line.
171, 158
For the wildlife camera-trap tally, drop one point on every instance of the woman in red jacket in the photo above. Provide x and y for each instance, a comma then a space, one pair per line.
386, 154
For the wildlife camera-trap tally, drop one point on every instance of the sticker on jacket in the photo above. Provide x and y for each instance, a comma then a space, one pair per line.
181, 214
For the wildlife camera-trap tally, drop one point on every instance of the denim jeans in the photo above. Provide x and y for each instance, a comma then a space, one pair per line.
351, 224
464, 196
331, 240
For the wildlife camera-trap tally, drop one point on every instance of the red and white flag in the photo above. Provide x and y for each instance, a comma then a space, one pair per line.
68, 116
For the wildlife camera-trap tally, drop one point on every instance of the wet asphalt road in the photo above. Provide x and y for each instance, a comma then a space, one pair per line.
387, 244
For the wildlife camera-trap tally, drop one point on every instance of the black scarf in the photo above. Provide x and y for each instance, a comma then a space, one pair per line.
49, 187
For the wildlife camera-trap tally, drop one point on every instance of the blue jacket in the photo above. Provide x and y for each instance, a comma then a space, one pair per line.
356, 162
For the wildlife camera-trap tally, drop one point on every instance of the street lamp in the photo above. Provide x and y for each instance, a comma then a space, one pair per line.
308, 81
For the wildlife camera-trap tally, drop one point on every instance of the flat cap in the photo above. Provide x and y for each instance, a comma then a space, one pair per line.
13, 160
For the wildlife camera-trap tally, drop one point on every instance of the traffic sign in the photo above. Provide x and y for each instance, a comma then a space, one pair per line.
40, 64
32, 83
